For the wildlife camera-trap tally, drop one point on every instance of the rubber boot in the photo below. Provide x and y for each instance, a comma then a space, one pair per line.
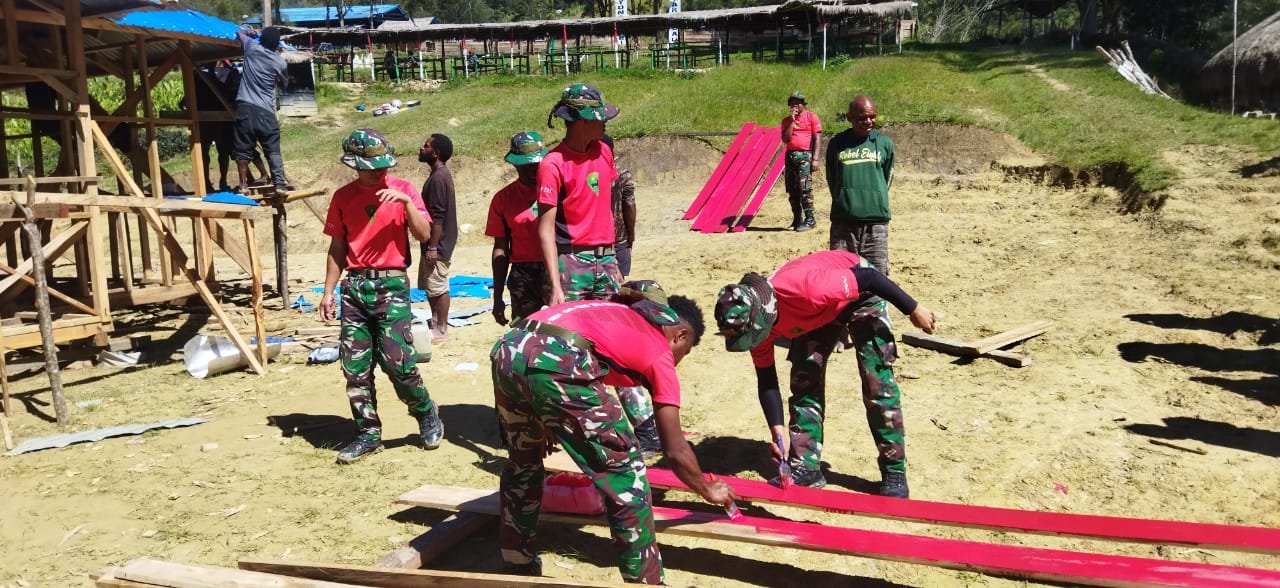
795, 215
808, 223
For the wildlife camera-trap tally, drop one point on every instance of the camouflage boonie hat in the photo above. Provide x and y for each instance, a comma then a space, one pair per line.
745, 312
582, 102
367, 149
797, 96
647, 298
526, 148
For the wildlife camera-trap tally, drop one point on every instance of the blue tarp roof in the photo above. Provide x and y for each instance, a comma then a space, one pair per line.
320, 14
180, 21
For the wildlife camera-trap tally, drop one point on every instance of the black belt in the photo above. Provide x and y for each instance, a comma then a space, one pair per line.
598, 250
532, 326
374, 273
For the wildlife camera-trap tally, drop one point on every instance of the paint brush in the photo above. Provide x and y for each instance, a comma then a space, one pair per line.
784, 469
731, 510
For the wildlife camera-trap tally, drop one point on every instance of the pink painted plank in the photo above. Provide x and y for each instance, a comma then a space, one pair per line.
753, 168
749, 213
733, 180
725, 162
1051, 565
1229, 537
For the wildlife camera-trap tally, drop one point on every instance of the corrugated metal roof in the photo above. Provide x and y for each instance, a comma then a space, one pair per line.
322, 14
180, 21
66, 439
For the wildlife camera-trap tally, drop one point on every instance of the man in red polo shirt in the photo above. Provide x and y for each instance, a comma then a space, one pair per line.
513, 224
815, 300
802, 135
367, 223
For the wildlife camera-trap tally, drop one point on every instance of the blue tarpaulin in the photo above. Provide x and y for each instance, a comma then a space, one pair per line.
320, 15
180, 21
459, 287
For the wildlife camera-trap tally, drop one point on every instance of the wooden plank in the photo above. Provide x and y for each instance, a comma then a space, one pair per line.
255, 276
733, 206
733, 180
28, 280
1030, 563
54, 248
425, 548
198, 169
1229, 537
150, 295
770, 180
396, 578
5, 403
180, 575
61, 334
1009, 337
230, 245
721, 170
11, 34
959, 348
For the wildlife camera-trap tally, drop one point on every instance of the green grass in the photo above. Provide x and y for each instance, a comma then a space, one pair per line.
1102, 119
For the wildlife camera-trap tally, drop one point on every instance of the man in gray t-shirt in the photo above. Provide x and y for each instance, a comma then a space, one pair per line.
256, 122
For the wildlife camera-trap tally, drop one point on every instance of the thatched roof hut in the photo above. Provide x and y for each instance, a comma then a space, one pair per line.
1257, 70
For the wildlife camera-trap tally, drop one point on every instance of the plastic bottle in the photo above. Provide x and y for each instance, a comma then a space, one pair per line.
322, 355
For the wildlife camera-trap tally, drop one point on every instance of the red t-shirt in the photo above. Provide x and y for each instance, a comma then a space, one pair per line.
802, 130
811, 292
635, 350
376, 232
578, 185
513, 214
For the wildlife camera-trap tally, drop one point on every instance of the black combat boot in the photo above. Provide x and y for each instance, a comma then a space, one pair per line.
808, 223
431, 429
647, 436
365, 444
894, 485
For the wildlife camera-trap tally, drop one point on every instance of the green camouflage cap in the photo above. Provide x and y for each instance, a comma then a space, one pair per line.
745, 312
797, 96
526, 148
647, 298
367, 149
582, 102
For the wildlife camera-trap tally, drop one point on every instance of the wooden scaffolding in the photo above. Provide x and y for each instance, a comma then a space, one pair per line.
126, 245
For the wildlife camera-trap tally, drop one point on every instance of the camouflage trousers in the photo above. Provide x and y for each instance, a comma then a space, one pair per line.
587, 276
547, 389
798, 177
872, 335
376, 326
527, 284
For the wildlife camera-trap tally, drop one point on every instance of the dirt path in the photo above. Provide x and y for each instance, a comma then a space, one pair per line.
1165, 329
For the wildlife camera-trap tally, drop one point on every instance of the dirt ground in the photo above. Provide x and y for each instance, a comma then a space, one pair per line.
1165, 329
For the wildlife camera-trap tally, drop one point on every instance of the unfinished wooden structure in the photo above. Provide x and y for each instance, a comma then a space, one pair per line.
132, 236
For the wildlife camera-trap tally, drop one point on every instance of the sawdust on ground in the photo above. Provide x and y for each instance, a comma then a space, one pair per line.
1165, 329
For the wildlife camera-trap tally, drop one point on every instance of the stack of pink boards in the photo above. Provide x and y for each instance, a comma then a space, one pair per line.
751, 165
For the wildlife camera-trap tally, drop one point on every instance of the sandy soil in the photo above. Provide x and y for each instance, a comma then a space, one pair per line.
1165, 328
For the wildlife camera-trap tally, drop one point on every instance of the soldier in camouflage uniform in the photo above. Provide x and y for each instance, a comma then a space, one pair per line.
368, 224
815, 301
550, 377
513, 224
802, 136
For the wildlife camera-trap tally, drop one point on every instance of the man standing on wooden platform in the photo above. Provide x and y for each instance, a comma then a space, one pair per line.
367, 222
576, 222
859, 172
256, 122
550, 373
437, 252
816, 300
802, 136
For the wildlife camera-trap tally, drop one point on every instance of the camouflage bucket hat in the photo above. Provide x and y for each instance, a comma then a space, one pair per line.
582, 102
745, 312
647, 298
367, 149
526, 148
798, 97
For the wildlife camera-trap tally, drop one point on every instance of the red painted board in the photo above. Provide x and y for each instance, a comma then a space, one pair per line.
1228, 537
719, 173
731, 202
733, 179
1051, 565
749, 213
733, 207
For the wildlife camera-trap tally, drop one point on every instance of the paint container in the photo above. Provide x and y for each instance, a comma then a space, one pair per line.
205, 356
421, 342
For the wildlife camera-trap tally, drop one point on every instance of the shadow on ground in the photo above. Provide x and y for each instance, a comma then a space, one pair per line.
1213, 433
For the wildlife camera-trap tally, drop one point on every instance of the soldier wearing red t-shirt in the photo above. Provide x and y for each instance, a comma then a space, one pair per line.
513, 224
802, 136
815, 301
550, 373
367, 223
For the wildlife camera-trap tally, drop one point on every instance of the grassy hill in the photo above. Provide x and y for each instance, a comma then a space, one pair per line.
1067, 105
